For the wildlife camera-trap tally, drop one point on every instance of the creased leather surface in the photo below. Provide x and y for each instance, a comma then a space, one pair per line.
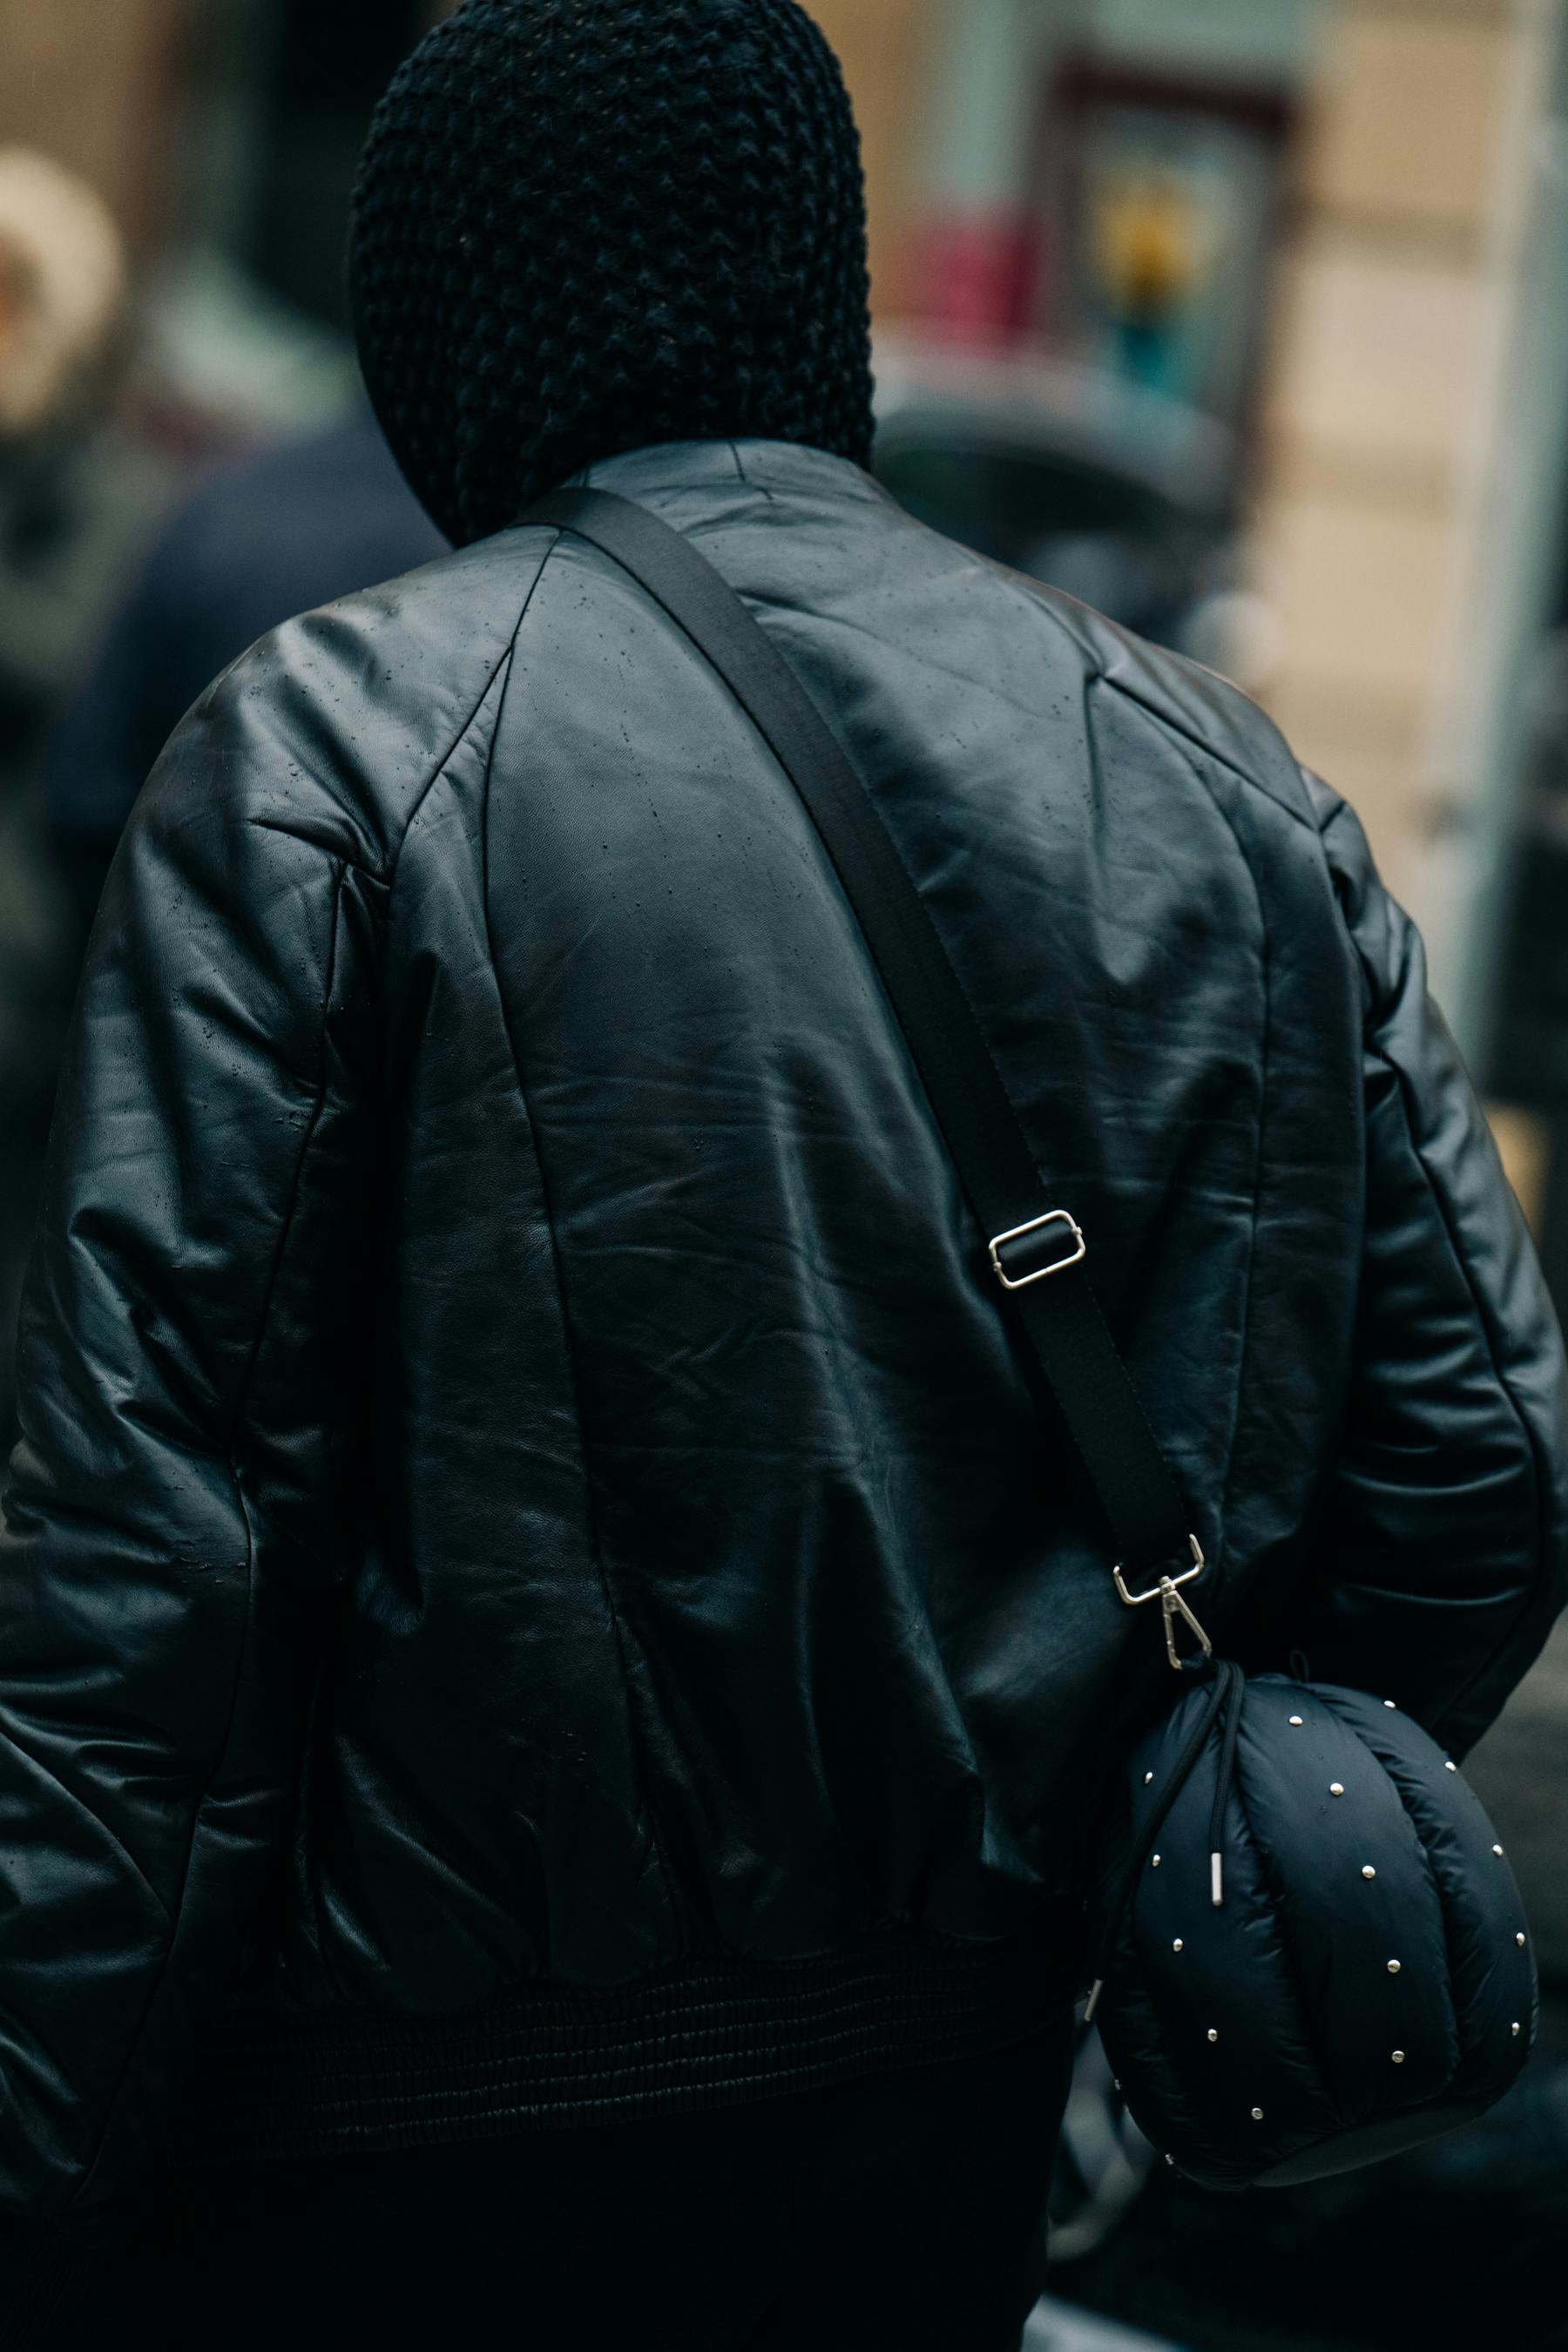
523, 1474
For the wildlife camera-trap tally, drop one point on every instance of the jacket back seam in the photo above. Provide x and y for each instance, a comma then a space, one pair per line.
595, 1541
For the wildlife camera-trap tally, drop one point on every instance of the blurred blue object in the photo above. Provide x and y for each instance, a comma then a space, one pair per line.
266, 535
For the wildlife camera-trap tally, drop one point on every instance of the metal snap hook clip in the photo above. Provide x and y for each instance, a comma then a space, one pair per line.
1173, 1605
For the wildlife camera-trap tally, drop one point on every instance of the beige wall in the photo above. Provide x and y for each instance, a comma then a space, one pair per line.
1394, 294
883, 46
1378, 537
86, 80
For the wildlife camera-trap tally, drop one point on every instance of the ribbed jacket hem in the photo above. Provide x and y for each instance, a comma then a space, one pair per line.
706, 2033
49, 2288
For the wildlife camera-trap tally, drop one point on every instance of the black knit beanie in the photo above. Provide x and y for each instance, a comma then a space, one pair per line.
586, 226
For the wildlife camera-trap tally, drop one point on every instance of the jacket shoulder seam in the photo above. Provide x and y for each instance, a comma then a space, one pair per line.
1205, 744
1098, 675
1337, 807
296, 1183
385, 877
465, 729
1373, 988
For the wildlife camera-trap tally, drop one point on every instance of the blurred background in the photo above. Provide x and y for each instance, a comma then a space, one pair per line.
1245, 320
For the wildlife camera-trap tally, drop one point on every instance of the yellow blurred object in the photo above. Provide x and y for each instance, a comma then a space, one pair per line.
1147, 246
886, 47
62, 288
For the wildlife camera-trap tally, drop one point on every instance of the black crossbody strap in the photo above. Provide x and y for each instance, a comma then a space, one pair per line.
1036, 1249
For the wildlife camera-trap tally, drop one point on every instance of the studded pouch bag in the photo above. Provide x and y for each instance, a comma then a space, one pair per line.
1313, 1953
1311, 1950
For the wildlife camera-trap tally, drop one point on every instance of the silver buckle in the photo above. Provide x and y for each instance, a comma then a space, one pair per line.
1043, 1273
1168, 1593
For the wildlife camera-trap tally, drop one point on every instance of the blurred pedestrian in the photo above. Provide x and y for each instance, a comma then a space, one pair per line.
556, 1680
62, 294
284, 528
70, 506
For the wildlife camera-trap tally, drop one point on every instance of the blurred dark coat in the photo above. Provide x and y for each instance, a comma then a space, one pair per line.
264, 538
73, 505
294, 525
534, 1586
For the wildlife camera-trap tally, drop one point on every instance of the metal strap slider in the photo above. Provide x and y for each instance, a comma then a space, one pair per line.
1041, 1272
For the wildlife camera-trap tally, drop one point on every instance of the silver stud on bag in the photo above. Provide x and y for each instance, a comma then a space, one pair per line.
1450, 1768
1399, 2057
1388, 1701
1513, 2028
1336, 1788
1169, 2159
1520, 1941
1147, 1778
1258, 2115
1177, 1945
1497, 1851
1153, 1862
1393, 1967
1298, 1721
1367, 1871
1213, 2034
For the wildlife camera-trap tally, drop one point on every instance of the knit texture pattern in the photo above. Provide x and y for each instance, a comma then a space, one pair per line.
587, 225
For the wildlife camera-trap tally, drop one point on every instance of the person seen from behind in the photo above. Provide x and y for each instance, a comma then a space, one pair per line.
555, 1678
298, 522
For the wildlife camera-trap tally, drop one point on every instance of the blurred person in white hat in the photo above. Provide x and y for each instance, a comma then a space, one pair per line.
70, 505
63, 290
63, 287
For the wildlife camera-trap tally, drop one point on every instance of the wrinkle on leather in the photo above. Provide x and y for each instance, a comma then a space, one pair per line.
58, 1772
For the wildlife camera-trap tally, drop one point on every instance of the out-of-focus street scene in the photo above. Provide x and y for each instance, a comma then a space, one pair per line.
1245, 323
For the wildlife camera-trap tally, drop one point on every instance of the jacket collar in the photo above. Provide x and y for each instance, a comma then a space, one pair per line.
672, 468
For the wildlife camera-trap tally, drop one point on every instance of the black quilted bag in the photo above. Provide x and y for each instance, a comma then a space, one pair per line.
1313, 1952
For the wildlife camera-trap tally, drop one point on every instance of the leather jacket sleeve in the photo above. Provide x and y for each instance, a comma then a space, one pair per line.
1443, 1556
168, 1543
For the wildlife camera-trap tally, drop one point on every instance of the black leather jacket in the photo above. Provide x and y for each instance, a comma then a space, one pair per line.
534, 1583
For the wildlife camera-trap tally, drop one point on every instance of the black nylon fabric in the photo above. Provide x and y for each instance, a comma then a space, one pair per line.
1488, 1990
1367, 1979
524, 1484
